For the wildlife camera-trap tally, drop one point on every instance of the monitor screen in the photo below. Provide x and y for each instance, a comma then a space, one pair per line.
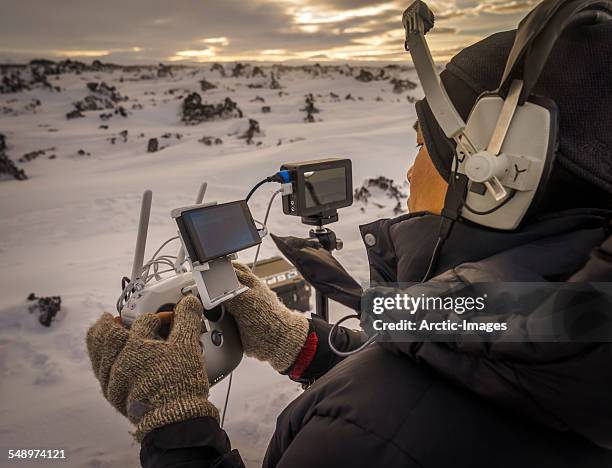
324, 186
218, 230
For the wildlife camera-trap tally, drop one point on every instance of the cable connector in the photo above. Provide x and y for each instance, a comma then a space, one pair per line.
287, 189
282, 177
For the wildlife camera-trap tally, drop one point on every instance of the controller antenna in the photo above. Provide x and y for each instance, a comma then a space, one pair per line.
141, 239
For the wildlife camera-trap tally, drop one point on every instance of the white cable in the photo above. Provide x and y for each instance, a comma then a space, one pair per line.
347, 353
145, 275
163, 245
264, 226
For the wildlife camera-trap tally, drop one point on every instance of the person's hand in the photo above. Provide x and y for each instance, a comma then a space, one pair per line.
153, 382
269, 331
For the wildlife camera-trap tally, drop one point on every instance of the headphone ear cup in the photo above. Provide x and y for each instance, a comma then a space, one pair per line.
551, 156
529, 151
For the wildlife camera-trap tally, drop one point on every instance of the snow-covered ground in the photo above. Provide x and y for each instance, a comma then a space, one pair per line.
69, 229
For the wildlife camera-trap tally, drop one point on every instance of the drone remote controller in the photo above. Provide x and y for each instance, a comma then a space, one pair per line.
211, 278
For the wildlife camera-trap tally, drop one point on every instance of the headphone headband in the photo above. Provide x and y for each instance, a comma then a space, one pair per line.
505, 151
539, 31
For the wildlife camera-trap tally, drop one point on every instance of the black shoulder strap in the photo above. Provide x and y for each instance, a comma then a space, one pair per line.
538, 32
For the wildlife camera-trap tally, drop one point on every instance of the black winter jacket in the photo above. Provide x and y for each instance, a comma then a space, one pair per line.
437, 405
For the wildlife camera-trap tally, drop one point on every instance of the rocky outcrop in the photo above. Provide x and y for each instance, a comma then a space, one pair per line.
194, 111
209, 140
206, 85
46, 308
251, 132
366, 193
401, 86
310, 108
152, 145
8, 169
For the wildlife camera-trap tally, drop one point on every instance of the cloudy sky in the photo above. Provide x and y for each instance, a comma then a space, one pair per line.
150, 31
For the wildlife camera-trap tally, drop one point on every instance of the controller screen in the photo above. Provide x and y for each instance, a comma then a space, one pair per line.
218, 230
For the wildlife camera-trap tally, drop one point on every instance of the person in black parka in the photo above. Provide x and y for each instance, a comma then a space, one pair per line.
419, 404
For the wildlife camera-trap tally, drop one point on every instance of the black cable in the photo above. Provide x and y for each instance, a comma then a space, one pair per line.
229, 388
453, 203
257, 185
492, 210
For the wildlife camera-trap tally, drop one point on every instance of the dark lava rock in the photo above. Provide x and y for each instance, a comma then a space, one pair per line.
266, 109
257, 98
32, 155
257, 72
13, 83
46, 307
74, 114
120, 110
103, 97
206, 85
82, 152
251, 131
164, 71
274, 83
19, 78
365, 76
310, 108
102, 89
209, 141
387, 186
152, 145
93, 103
194, 111
382, 75
8, 169
400, 86
168, 135
218, 67
238, 70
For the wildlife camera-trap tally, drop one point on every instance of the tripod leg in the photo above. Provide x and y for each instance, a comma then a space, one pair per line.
322, 306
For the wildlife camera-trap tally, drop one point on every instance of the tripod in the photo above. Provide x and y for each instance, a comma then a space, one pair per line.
327, 239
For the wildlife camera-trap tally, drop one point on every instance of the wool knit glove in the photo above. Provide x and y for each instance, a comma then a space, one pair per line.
153, 382
269, 331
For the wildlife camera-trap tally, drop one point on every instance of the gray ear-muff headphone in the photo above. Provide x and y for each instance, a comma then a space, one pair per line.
505, 151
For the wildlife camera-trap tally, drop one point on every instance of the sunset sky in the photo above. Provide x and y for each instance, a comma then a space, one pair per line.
187, 31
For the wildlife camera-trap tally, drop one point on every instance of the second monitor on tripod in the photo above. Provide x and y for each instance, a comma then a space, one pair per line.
318, 189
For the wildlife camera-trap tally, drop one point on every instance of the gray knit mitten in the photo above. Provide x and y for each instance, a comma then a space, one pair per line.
268, 330
153, 382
